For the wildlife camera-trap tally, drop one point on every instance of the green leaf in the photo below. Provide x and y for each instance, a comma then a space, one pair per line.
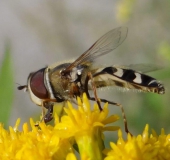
6, 87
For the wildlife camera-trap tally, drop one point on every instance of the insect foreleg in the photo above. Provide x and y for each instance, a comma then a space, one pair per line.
49, 114
47, 117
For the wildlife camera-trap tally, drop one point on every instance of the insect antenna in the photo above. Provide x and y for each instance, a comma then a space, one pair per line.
20, 87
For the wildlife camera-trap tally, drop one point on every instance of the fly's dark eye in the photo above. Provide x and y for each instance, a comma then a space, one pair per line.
37, 84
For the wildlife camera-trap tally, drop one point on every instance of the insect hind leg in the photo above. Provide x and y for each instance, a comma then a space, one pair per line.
95, 98
122, 110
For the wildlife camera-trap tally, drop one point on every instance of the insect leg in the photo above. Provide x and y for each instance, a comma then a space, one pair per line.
46, 117
122, 110
49, 114
90, 77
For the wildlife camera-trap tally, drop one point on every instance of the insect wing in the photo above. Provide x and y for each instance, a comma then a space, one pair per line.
141, 67
108, 42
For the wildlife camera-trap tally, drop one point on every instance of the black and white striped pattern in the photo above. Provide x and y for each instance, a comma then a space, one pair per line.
127, 78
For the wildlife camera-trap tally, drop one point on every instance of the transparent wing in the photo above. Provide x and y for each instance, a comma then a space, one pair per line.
142, 67
104, 45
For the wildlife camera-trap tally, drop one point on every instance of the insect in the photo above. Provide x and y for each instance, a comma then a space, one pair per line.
58, 83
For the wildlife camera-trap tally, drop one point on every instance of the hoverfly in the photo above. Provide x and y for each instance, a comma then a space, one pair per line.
58, 83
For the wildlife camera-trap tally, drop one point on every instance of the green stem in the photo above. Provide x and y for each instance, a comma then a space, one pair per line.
90, 144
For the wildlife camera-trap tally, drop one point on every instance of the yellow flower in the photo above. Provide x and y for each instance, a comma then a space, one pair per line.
83, 119
80, 130
86, 126
32, 145
82, 127
142, 147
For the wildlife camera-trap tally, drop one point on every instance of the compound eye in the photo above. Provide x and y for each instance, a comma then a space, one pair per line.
37, 84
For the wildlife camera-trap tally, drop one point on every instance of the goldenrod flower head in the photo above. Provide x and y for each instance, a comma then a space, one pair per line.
86, 126
32, 145
142, 147
83, 127
84, 120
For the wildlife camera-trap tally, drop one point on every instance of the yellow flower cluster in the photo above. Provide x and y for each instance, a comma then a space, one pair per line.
142, 147
82, 127
80, 130
32, 144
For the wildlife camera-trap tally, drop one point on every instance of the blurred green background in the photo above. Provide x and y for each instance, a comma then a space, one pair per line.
34, 34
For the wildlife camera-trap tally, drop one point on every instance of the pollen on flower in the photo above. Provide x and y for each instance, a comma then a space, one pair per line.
142, 147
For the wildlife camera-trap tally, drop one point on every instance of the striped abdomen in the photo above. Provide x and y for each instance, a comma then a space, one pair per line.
127, 78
